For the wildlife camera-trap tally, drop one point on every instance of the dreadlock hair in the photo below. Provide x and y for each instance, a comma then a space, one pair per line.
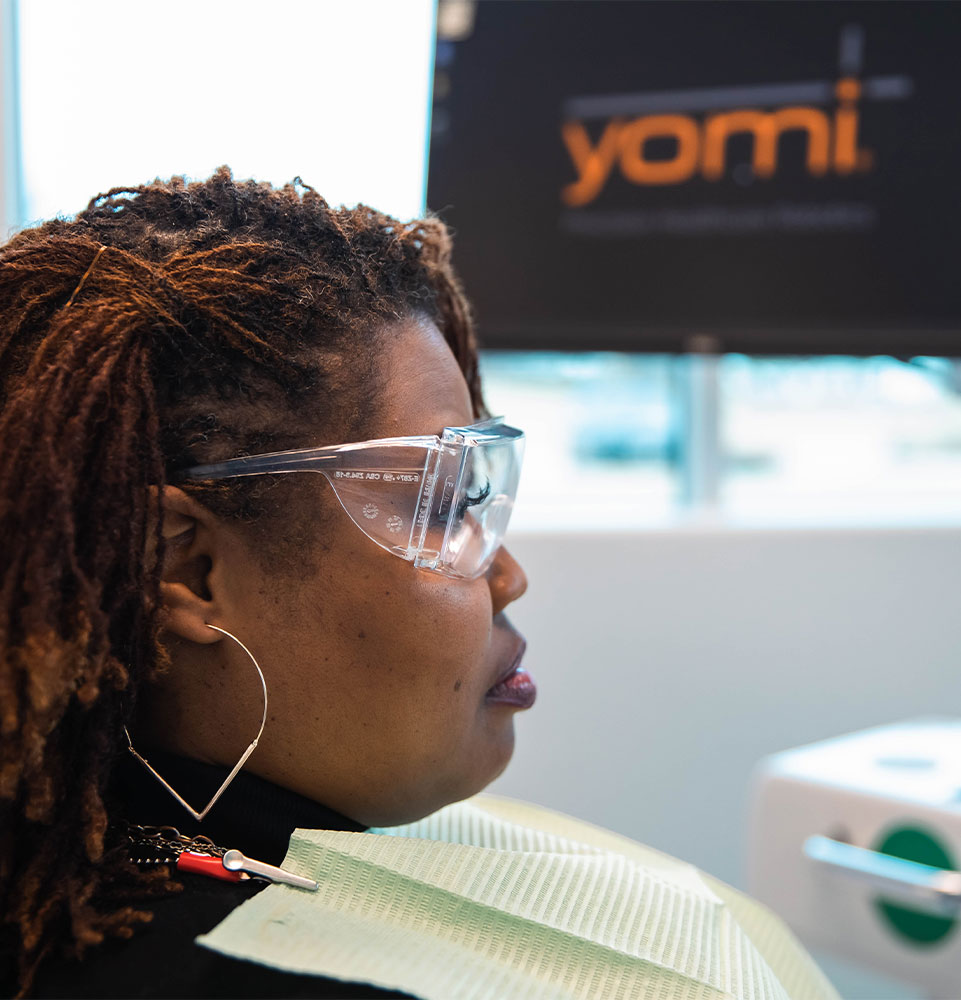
166, 325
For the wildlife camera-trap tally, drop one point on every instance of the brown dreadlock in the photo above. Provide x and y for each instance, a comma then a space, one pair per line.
166, 325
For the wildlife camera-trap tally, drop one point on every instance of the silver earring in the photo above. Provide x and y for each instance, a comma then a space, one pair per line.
198, 816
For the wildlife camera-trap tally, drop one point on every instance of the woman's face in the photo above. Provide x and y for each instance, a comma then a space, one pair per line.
379, 675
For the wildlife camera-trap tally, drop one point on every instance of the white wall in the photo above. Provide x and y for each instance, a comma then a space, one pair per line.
668, 663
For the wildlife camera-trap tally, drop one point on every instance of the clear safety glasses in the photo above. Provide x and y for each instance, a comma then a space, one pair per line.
441, 502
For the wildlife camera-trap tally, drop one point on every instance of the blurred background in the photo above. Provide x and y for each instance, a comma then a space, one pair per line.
729, 340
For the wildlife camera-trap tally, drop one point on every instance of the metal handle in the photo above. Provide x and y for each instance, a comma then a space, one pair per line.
235, 861
934, 889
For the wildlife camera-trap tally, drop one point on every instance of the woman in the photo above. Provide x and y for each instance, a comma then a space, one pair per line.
204, 647
167, 327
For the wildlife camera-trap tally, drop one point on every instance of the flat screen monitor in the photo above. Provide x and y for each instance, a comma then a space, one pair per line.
773, 178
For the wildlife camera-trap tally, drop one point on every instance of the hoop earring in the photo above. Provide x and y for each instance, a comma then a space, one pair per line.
198, 816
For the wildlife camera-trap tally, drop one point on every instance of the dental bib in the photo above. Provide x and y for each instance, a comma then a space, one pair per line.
491, 899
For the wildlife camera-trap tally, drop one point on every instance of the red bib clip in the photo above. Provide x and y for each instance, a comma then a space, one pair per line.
204, 864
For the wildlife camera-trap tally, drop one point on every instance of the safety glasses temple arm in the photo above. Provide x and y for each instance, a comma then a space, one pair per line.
339, 456
255, 465
327, 464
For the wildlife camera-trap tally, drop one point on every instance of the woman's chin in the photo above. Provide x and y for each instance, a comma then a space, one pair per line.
415, 804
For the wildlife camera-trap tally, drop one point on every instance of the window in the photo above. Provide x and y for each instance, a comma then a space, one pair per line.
183, 87
841, 438
603, 441
796, 440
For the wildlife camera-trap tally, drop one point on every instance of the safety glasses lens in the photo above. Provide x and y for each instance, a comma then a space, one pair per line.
483, 506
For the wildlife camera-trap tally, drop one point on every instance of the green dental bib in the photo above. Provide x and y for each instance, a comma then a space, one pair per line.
492, 899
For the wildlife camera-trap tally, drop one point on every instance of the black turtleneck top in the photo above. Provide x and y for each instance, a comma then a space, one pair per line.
161, 959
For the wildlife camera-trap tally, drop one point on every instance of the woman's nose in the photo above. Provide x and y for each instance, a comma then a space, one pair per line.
506, 579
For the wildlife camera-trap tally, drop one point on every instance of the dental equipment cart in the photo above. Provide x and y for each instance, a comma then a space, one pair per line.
856, 843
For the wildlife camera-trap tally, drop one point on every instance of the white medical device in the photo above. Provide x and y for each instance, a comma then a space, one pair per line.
856, 843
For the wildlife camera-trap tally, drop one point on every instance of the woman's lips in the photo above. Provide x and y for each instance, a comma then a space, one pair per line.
519, 690
515, 687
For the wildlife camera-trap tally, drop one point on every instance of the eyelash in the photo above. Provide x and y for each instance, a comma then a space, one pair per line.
472, 501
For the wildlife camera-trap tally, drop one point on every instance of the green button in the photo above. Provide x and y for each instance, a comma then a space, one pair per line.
915, 927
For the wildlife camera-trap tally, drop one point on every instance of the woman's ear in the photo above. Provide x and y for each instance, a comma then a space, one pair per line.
188, 558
